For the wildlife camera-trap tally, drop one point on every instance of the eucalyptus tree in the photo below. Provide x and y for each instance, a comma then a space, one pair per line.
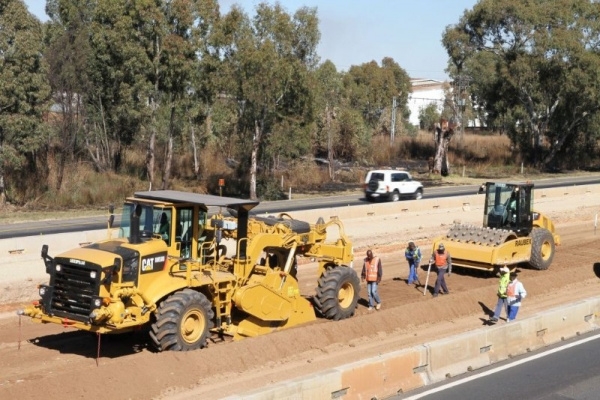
535, 69
268, 59
328, 90
118, 68
68, 54
207, 75
24, 91
178, 59
370, 89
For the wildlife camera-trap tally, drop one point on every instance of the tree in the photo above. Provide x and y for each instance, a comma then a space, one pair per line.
268, 60
68, 54
24, 90
444, 131
328, 96
116, 103
429, 116
535, 68
370, 89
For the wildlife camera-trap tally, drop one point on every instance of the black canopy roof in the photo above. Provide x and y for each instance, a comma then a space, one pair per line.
175, 196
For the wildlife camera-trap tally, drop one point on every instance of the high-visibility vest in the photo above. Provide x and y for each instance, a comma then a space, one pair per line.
503, 286
371, 267
511, 289
441, 259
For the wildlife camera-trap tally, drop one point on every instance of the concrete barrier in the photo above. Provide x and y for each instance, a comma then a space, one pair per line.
390, 373
324, 385
542, 199
404, 370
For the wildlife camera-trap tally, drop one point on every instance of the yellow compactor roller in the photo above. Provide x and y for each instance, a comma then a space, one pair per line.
168, 269
512, 233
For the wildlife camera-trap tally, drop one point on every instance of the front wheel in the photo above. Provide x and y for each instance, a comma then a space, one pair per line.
183, 322
418, 194
338, 292
542, 248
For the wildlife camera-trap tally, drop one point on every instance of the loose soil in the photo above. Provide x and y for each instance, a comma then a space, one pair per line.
52, 362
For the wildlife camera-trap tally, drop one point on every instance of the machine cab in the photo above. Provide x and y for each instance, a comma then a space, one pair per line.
509, 206
173, 223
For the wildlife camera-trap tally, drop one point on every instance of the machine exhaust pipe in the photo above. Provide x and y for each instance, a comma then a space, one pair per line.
134, 232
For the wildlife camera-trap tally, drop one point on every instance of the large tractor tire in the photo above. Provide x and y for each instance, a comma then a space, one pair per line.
542, 248
183, 322
338, 292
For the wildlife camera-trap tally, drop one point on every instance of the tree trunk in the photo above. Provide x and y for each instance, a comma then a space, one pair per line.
151, 147
443, 134
169, 155
2, 188
60, 170
331, 167
254, 159
194, 149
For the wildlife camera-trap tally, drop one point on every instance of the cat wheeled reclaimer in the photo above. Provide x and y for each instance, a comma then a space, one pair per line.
512, 233
169, 270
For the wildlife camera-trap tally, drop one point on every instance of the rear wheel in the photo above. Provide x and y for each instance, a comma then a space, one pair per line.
395, 196
182, 322
337, 293
542, 248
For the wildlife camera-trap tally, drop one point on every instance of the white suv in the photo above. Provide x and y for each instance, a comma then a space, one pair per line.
391, 185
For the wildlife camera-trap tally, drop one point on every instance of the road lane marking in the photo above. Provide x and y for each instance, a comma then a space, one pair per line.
502, 368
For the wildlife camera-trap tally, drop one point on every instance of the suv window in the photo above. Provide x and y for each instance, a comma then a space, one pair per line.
378, 176
399, 177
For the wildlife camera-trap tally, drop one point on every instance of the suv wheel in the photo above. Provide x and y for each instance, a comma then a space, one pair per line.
418, 194
395, 196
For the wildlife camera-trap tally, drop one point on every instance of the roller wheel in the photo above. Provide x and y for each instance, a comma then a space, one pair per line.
338, 292
542, 248
183, 322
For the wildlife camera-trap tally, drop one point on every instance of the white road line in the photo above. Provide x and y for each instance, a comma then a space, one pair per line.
502, 368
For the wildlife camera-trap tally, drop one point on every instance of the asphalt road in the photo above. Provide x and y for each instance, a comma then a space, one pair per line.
569, 370
273, 207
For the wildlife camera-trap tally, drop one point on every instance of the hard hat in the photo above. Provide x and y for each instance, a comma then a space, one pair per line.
504, 270
441, 246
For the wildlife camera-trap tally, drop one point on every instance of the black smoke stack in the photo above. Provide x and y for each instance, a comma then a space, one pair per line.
134, 232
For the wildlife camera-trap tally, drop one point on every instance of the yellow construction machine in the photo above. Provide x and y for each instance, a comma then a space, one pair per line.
169, 270
512, 233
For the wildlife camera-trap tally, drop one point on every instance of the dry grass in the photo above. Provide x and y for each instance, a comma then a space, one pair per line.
472, 157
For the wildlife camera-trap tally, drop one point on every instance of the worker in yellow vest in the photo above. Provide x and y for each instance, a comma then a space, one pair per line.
372, 272
502, 303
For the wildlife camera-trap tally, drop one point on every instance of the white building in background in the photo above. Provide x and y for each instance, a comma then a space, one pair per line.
424, 92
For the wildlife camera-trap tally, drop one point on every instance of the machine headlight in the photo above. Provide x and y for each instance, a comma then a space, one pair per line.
58, 267
97, 302
93, 274
42, 291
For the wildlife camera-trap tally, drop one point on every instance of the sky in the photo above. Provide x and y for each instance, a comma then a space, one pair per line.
354, 32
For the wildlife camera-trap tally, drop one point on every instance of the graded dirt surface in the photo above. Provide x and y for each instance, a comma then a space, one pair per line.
59, 363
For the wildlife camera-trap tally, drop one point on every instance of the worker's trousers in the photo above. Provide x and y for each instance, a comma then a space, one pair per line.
440, 281
373, 294
412, 273
500, 305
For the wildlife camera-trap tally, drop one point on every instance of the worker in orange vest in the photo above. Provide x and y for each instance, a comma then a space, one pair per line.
443, 264
372, 272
